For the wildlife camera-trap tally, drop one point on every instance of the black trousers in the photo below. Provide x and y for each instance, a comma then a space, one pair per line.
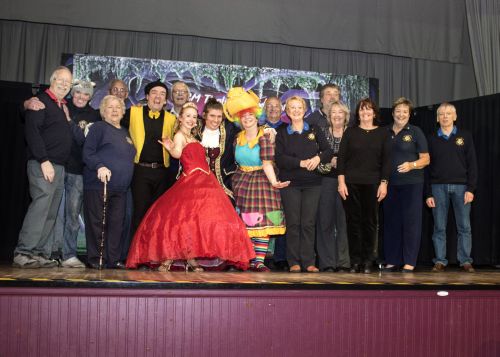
361, 208
300, 205
93, 205
147, 186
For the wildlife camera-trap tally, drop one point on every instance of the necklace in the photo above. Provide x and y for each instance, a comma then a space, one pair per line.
189, 137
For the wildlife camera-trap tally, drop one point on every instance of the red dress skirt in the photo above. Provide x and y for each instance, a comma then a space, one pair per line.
193, 219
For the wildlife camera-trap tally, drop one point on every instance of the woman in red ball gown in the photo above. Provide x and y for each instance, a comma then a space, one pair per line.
194, 219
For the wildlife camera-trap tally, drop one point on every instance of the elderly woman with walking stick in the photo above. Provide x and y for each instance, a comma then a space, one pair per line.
108, 154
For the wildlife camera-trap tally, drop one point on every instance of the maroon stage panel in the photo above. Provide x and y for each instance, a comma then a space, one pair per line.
189, 322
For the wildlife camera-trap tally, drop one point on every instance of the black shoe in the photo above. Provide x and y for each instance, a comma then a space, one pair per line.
367, 269
280, 266
391, 269
355, 268
117, 265
407, 270
94, 266
328, 270
343, 269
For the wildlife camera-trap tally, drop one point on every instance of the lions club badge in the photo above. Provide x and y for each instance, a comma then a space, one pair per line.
407, 138
459, 141
311, 136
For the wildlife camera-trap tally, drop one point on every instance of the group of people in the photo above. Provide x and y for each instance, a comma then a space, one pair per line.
245, 175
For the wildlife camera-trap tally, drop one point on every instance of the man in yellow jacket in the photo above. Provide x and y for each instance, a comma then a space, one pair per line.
147, 125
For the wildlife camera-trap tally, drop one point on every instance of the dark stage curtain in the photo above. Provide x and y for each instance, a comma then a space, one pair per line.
480, 116
14, 195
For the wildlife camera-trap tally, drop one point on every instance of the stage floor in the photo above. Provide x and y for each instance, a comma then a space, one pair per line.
452, 279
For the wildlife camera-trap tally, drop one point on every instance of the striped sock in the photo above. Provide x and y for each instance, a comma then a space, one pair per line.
260, 245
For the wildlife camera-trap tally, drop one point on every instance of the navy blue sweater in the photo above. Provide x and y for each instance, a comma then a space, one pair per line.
453, 161
81, 117
108, 146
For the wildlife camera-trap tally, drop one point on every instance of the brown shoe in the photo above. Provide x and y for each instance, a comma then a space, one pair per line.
438, 268
467, 267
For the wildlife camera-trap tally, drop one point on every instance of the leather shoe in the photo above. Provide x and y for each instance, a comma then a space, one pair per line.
118, 265
94, 266
392, 269
438, 268
261, 268
295, 268
367, 269
328, 270
343, 269
355, 268
280, 266
467, 267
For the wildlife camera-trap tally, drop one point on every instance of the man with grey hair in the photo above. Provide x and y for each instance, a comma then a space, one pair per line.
49, 134
82, 114
452, 176
328, 94
180, 95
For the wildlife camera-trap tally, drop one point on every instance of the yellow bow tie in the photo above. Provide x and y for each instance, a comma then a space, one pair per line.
154, 115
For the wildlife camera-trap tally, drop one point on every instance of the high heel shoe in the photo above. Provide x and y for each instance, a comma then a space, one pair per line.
193, 265
165, 265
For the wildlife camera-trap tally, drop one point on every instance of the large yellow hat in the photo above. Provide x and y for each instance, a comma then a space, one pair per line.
237, 100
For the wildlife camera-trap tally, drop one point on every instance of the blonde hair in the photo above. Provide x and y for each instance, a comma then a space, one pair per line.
344, 108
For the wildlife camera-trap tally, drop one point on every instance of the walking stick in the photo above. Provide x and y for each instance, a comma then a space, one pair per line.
101, 246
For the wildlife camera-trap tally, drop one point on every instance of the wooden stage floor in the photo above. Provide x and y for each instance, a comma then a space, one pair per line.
452, 279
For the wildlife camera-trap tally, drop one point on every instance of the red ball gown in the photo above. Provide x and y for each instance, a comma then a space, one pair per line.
193, 219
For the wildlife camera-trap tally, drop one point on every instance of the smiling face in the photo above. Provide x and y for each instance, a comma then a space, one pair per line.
295, 110
248, 119
338, 116
61, 83
180, 94
188, 118
366, 116
329, 95
446, 116
157, 98
119, 89
213, 119
401, 115
80, 99
113, 110
273, 109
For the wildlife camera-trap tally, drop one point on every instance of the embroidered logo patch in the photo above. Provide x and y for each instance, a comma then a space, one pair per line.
82, 124
407, 138
459, 141
311, 136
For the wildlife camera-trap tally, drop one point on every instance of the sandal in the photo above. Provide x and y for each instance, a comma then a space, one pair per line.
295, 268
165, 265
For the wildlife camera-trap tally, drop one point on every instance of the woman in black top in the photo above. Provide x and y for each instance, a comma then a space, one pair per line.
364, 167
300, 147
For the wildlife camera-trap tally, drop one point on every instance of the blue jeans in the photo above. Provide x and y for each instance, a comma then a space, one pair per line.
443, 194
73, 191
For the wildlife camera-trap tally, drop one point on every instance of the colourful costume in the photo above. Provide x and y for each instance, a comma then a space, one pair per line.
258, 202
192, 220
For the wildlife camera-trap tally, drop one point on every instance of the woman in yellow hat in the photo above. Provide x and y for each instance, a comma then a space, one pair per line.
255, 185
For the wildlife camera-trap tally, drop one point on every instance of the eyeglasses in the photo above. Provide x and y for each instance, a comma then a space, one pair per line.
180, 91
118, 90
63, 81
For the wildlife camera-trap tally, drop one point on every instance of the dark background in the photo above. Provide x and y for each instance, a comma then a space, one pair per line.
480, 116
